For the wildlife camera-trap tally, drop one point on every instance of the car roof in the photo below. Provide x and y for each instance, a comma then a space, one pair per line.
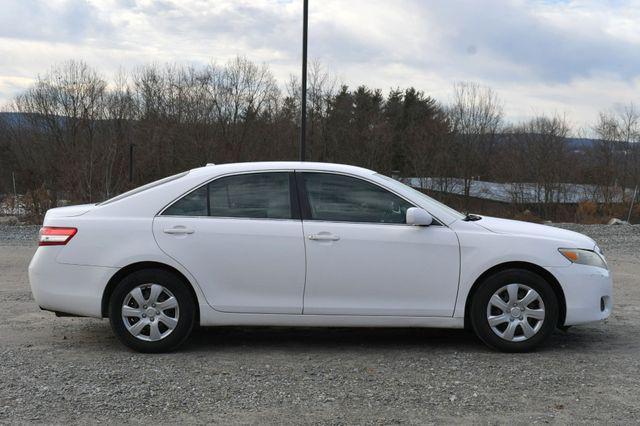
218, 169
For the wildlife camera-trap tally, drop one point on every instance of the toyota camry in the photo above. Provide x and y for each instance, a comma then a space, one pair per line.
310, 244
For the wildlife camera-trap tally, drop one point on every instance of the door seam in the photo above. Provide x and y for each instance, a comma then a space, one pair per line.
304, 287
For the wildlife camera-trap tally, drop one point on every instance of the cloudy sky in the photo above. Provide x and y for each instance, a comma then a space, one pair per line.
572, 57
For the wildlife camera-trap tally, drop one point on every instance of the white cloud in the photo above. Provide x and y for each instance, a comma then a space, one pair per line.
541, 56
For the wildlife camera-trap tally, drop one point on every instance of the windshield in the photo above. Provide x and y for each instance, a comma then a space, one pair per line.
143, 188
421, 195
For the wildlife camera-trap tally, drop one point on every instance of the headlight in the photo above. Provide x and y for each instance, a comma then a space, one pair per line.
584, 257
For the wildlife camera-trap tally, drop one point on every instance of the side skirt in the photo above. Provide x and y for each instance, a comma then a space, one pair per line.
211, 317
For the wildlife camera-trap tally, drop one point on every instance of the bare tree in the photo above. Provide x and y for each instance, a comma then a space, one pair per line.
62, 110
538, 161
242, 91
476, 117
605, 153
117, 134
629, 134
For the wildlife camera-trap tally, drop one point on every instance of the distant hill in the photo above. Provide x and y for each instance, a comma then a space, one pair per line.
12, 117
581, 143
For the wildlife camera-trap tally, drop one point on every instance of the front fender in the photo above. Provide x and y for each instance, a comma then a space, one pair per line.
481, 251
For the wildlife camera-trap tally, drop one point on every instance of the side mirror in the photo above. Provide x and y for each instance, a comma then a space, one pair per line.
418, 217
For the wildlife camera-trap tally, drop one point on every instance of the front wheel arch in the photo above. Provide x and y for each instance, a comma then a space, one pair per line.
134, 267
531, 267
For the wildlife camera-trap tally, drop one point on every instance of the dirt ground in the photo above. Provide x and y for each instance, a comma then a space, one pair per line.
73, 370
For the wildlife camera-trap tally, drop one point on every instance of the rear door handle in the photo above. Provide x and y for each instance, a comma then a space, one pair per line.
179, 231
323, 236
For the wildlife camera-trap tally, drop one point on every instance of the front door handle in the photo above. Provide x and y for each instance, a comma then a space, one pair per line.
179, 231
323, 236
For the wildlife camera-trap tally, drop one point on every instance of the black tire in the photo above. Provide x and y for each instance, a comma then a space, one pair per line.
186, 306
480, 302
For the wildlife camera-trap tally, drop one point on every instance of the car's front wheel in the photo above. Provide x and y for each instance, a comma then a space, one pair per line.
152, 310
514, 310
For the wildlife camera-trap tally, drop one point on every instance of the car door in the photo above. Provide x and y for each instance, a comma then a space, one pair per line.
362, 258
241, 237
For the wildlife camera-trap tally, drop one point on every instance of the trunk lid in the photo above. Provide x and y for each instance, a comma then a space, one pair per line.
69, 211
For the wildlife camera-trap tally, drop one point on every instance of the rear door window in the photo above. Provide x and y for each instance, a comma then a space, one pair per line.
252, 196
255, 195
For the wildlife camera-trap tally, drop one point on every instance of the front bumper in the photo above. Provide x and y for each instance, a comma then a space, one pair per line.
588, 292
70, 289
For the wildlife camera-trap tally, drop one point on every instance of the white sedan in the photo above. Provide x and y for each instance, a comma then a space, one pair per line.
310, 244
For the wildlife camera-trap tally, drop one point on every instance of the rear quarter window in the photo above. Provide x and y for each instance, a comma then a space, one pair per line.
143, 188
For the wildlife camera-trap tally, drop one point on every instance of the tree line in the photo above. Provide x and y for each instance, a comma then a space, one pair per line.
68, 136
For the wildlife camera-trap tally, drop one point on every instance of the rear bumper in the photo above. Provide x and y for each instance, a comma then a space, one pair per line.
588, 292
70, 289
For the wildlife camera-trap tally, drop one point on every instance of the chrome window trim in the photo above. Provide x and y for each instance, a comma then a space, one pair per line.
230, 217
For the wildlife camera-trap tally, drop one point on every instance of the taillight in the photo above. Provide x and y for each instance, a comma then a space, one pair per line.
55, 236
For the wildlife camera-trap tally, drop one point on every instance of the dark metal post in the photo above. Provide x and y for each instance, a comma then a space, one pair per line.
130, 162
635, 192
15, 195
303, 104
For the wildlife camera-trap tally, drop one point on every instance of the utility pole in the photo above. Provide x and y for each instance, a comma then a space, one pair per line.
303, 105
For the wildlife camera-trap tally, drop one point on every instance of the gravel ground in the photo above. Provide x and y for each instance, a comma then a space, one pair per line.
18, 235
72, 370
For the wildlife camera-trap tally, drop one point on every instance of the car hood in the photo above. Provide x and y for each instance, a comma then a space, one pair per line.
516, 227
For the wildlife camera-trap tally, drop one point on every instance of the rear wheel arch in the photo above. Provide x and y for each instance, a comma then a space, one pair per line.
531, 267
134, 267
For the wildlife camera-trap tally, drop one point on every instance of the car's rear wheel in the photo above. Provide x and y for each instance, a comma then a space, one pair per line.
514, 310
152, 310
